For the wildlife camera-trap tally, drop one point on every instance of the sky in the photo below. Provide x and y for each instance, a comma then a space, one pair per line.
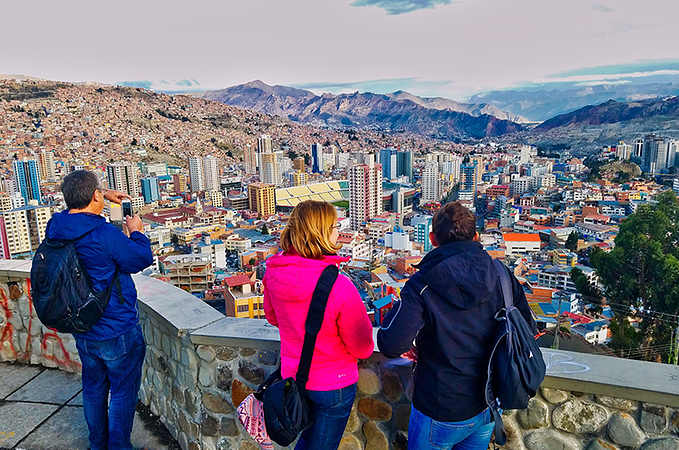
448, 48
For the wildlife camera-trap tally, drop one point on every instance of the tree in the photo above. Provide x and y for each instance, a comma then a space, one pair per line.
583, 285
265, 229
292, 154
252, 261
572, 241
134, 142
642, 271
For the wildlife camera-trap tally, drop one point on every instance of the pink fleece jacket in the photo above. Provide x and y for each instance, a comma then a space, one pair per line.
346, 333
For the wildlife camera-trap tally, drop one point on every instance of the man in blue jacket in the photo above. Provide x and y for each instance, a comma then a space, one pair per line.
448, 308
112, 351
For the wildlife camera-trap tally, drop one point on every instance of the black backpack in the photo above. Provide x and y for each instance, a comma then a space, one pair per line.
286, 408
61, 290
516, 367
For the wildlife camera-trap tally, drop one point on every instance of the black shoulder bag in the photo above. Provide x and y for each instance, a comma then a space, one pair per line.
286, 408
516, 367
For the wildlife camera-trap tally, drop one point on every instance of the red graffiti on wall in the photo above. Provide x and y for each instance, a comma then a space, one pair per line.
8, 332
7, 329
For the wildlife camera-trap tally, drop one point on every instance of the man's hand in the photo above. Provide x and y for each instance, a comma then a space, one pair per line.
116, 196
134, 223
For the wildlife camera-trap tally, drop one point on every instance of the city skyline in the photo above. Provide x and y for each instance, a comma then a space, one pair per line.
518, 44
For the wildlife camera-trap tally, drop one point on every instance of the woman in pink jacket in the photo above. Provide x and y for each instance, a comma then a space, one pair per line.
309, 244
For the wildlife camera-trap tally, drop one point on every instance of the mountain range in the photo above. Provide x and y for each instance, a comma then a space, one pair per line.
399, 111
539, 105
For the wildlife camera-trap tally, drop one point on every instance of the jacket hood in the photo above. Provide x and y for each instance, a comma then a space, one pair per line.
460, 272
71, 226
293, 276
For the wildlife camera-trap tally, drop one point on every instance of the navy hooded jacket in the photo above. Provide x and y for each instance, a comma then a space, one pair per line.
102, 249
448, 307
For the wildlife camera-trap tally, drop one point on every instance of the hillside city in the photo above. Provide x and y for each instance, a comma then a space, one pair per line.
214, 186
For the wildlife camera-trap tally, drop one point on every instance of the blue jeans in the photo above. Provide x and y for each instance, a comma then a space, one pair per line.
331, 411
427, 433
112, 365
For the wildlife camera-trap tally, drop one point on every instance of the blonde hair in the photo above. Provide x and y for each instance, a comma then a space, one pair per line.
309, 229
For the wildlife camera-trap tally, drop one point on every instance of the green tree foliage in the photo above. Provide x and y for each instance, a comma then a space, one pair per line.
572, 242
582, 284
643, 269
265, 229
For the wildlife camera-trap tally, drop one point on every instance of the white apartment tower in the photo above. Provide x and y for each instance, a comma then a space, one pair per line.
196, 174
210, 173
122, 176
430, 183
270, 169
365, 191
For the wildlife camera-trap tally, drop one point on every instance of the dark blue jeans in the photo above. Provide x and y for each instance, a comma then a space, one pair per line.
112, 365
331, 410
427, 433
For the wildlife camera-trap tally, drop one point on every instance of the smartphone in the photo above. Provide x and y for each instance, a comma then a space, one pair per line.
127, 208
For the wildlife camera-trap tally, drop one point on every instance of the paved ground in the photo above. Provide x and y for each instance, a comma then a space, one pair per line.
41, 409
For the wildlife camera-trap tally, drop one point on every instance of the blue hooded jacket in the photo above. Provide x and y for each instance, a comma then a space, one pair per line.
101, 250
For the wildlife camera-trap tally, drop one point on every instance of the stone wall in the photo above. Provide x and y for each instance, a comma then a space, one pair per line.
200, 365
22, 337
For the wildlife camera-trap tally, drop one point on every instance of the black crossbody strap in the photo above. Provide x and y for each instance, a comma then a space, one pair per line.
314, 320
505, 283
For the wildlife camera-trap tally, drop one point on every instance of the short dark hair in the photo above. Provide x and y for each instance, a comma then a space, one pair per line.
78, 188
453, 222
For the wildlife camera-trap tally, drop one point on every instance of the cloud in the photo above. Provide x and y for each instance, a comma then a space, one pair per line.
602, 8
395, 7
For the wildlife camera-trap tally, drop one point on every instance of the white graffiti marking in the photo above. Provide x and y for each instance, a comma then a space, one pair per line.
562, 363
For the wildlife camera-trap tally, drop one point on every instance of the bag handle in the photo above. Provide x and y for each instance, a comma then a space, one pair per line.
314, 320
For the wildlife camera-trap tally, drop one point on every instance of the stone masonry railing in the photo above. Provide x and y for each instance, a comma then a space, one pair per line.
200, 365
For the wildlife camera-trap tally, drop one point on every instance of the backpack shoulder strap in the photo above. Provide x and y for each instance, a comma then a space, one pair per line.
505, 283
314, 320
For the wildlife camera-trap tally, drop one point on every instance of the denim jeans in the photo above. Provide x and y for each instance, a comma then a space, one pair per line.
112, 365
331, 411
427, 433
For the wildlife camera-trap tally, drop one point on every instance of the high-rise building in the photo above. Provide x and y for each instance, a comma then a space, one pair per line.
122, 176
365, 191
210, 173
329, 156
262, 198
4, 241
150, 189
179, 182
527, 153
27, 179
431, 183
389, 161
675, 186
623, 151
404, 161
46, 166
250, 157
196, 174
270, 170
25, 227
654, 157
316, 158
422, 225
480, 167
298, 164
672, 152
468, 177
264, 144
638, 147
